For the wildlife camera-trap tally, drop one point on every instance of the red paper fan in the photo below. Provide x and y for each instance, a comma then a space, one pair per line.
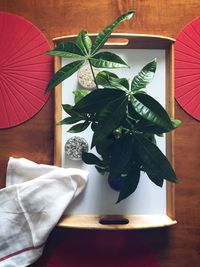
24, 70
187, 68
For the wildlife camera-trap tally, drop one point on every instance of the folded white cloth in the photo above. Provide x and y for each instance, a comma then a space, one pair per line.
35, 197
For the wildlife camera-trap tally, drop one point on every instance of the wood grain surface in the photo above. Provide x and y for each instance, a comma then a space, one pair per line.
177, 246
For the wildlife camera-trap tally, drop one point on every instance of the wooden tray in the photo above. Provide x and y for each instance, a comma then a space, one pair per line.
150, 206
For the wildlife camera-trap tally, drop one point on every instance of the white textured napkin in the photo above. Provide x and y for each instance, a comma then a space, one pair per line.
32, 203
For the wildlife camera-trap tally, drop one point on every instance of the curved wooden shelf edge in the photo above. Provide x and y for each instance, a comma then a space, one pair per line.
127, 40
170, 39
111, 222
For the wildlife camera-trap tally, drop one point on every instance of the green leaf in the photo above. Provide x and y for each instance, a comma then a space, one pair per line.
103, 147
69, 120
64, 73
103, 78
150, 109
67, 50
107, 60
90, 158
176, 123
130, 183
80, 127
155, 164
120, 153
96, 100
120, 83
105, 34
148, 127
101, 170
110, 116
93, 126
107, 74
80, 93
132, 114
84, 42
144, 77
110, 80
67, 108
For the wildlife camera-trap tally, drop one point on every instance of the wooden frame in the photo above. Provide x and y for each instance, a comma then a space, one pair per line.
127, 221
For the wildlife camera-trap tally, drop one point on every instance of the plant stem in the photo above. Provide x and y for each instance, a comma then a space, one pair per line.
93, 74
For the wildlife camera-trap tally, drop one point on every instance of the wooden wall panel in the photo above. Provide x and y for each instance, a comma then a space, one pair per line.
178, 246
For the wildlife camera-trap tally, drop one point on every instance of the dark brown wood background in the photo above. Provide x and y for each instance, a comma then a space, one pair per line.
178, 246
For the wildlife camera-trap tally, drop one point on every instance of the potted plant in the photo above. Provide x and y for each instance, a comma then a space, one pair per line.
123, 118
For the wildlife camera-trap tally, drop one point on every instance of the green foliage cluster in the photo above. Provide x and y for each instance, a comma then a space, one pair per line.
124, 119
